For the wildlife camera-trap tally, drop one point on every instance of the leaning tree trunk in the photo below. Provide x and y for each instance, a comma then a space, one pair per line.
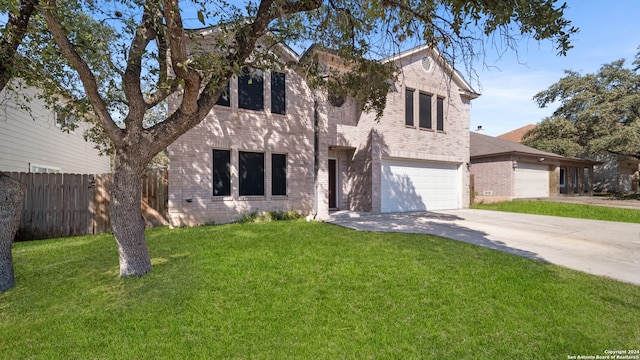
127, 223
11, 200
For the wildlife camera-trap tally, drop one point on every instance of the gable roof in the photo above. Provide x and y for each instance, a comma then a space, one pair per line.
517, 134
215, 31
483, 146
465, 88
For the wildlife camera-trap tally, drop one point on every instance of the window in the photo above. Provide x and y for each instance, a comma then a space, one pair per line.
562, 177
251, 173
408, 107
251, 89
34, 168
225, 97
278, 94
65, 118
278, 174
221, 173
425, 111
440, 114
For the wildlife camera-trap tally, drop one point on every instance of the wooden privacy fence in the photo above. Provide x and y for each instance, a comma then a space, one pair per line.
59, 205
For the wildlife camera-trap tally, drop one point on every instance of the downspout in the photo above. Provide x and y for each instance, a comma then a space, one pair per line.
316, 153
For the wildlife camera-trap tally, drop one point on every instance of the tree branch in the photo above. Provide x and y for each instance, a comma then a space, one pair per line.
86, 75
15, 29
131, 79
163, 62
179, 57
246, 38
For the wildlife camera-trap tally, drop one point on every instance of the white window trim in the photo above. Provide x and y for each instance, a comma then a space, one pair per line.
48, 169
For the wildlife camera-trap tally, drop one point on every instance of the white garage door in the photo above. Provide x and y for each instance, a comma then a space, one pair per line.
532, 180
419, 186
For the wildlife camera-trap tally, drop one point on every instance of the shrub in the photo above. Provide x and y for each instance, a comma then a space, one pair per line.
267, 216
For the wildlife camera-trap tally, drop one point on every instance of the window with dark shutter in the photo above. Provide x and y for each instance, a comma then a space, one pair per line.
425, 111
221, 173
225, 97
278, 174
251, 89
278, 93
408, 107
251, 173
440, 114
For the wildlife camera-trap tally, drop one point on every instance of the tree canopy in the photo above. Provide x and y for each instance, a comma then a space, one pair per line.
598, 113
115, 61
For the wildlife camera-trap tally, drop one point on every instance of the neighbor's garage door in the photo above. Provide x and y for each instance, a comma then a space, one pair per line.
416, 186
532, 180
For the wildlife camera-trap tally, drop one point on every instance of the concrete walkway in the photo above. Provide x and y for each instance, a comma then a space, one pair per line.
597, 247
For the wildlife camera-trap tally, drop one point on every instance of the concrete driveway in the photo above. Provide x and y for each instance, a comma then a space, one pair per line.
597, 247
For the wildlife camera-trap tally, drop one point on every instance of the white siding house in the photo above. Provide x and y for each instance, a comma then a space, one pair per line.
35, 143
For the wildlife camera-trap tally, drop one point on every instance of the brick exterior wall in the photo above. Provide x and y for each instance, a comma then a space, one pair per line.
191, 199
493, 179
373, 141
356, 141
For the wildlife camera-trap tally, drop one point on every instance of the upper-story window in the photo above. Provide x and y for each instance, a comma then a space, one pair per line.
65, 118
278, 93
251, 89
225, 97
440, 114
408, 107
424, 112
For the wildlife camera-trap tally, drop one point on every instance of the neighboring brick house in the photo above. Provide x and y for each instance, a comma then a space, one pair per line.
503, 170
613, 173
274, 144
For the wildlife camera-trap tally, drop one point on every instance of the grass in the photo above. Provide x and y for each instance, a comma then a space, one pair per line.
580, 211
298, 290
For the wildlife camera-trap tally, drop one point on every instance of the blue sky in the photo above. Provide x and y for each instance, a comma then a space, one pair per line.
609, 30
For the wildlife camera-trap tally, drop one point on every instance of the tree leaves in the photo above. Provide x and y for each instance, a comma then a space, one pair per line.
598, 112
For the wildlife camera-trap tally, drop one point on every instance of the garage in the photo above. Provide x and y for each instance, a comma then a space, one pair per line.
419, 186
531, 180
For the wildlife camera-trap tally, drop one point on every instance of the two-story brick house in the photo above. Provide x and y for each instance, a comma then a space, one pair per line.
274, 144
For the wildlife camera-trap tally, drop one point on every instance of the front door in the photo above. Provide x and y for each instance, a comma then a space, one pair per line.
333, 194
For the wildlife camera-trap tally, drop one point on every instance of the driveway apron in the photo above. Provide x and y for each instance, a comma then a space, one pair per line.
602, 248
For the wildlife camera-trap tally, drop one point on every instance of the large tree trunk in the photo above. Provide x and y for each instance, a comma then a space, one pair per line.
11, 201
127, 223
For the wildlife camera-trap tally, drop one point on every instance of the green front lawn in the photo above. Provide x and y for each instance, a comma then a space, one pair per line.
580, 211
298, 290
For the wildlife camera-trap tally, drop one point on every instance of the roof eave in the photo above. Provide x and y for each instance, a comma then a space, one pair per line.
532, 155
